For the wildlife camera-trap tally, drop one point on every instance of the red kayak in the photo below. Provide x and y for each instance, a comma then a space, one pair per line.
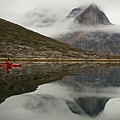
2, 65
16, 65
12, 65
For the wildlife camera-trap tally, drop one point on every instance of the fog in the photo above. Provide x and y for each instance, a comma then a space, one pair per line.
33, 14
9, 8
48, 102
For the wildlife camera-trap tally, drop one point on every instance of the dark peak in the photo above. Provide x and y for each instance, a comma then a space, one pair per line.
75, 12
94, 7
92, 106
92, 15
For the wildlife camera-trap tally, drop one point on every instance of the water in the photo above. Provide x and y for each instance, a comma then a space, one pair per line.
79, 91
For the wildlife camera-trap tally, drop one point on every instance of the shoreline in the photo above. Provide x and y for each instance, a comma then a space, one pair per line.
61, 60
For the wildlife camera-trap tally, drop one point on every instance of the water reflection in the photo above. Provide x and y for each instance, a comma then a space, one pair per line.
79, 91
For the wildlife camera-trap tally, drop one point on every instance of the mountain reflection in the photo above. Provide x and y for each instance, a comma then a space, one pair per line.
77, 77
92, 106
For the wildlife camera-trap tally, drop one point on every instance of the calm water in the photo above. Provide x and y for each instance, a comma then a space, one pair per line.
72, 92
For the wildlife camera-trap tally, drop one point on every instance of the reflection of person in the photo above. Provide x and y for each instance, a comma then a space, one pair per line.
8, 65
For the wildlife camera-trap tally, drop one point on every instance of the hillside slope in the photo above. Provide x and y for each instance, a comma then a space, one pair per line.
18, 42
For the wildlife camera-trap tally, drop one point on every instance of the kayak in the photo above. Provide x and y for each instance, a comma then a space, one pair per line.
12, 65
16, 65
2, 65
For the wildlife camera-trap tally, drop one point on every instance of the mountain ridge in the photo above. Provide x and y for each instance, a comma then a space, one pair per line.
93, 34
19, 42
92, 15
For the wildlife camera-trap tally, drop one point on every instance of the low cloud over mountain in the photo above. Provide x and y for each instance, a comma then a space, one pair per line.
40, 18
91, 29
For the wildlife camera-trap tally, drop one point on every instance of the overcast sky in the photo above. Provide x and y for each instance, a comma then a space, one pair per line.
14, 10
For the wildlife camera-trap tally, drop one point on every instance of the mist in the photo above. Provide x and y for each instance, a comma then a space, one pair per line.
48, 102
33, 14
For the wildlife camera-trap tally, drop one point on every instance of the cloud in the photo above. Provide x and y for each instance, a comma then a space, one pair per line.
15, 11
12, 9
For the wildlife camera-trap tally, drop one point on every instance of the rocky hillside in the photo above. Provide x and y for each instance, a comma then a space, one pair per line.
92, 31
100, 41
18, 42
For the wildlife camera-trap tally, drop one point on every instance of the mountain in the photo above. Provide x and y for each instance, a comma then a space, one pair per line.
93, 106
91, 30
92, 15
19, 42
75, 12
99, 41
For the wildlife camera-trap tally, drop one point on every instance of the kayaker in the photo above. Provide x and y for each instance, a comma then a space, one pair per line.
8, 65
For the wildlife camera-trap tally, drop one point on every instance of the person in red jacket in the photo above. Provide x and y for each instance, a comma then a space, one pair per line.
8, 65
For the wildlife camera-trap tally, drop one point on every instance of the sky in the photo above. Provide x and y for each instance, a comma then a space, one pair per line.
15, 10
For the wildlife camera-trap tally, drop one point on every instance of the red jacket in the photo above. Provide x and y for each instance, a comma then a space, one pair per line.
8, 65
